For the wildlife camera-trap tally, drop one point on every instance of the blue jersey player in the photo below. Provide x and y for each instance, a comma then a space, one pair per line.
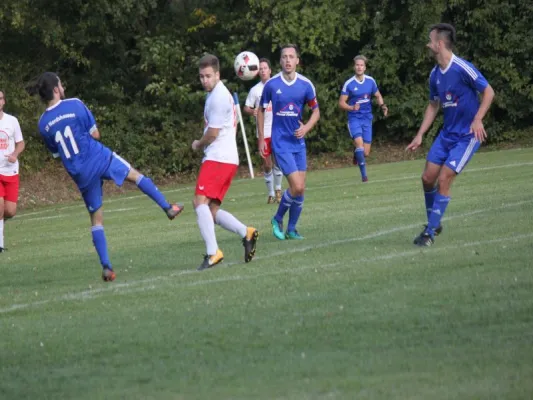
69, 131
289, 92
356, 99
454, 85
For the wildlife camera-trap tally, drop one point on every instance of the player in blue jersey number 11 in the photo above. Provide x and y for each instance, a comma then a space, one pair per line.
454, 84
69, 131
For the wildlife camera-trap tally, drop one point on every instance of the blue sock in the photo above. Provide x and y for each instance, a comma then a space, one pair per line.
148, 188
284, 205
438, 210
360, 156
430, 199
294, 213
100, 244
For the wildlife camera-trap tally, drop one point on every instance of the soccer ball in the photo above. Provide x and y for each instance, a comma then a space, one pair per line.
246, 65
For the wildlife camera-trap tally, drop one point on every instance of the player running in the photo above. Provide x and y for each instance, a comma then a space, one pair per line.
70, 132
288, 92
272, 173
454, 85
219, 166
356, 99
11, 145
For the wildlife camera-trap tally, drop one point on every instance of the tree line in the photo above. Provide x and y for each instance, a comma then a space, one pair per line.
134, 63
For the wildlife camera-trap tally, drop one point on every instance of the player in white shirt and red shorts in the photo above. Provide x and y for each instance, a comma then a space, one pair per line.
272, 173
11, 145
219, 166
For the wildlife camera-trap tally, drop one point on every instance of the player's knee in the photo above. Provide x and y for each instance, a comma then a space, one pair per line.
428, 180
367, 152
298, 189
445, 181
10, 213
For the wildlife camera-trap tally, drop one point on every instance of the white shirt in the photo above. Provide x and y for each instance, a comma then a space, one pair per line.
220, 113
10, 134
252, 101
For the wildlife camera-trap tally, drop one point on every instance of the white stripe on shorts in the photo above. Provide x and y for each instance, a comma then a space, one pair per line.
127, 164
466, 155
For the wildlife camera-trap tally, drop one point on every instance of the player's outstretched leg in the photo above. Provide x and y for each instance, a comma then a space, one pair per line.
248, 234
100, 244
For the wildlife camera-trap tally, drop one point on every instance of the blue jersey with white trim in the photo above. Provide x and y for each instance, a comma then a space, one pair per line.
457, 88
360, 93
288, 102
66, 128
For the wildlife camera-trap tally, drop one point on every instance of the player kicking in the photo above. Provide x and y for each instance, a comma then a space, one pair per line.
272, 173
219, 166
356, 99
288, 92
454, 84
11, 145
70, 132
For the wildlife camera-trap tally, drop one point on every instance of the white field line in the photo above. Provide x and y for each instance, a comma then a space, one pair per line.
128, 287
313, 187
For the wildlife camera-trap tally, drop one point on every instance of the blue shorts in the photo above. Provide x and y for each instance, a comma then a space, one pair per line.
453, 150
291, 162
361, 127
117, 171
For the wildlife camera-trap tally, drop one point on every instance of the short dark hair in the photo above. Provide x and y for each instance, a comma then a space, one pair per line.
265, 60
209, 60
446, 33
291, 46
44, 86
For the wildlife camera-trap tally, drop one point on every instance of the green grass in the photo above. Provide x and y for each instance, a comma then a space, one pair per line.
353, 311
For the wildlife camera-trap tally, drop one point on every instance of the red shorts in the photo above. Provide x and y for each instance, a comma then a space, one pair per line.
9, 188
215, 179
268, 148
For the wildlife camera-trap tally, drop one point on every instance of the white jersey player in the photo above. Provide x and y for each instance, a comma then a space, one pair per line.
219, 166
11, 145
273, 176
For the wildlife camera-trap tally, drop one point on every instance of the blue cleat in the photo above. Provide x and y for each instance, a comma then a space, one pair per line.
293, 235
277, 229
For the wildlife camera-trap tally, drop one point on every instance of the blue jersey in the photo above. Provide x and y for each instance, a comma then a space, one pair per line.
66, 128
457, 89
288, 101
360, 93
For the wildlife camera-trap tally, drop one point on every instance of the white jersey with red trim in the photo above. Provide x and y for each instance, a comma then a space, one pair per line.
220, 113
254, 100
10, 134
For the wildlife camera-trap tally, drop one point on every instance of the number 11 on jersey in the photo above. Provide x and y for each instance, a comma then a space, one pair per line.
68, 135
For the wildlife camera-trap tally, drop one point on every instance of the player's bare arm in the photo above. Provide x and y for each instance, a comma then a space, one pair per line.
208, 138
429, 116
261, 129
96, 134
19, 148
343, 104
477, 127
305, 128
250, 111
381, 103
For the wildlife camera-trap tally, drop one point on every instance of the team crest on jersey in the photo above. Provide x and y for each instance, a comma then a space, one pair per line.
4, 140
290, 110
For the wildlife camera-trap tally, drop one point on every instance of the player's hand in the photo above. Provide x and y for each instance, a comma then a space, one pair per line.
415, 144
301, 131
478, 130
11, 158
356, 107
385, 110
196, 145
256, 110
262, 148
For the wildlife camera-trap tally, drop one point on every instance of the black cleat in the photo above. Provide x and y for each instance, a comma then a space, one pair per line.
424, 240
438, 231
211, 261
249, 242
174, 210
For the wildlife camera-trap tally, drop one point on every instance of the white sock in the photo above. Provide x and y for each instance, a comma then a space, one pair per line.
1, 233
278, 176
207, 228
230, 223
269, 184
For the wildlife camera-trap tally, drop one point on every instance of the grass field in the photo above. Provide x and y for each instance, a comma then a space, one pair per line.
353, 311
